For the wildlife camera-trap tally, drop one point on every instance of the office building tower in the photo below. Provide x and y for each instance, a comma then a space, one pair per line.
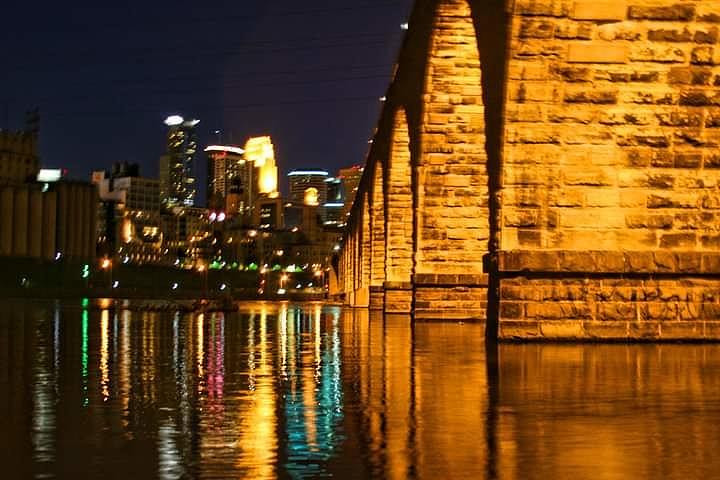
18, 157
229, 180
261, 152
334, 207
177, 182
350, 178
308, 187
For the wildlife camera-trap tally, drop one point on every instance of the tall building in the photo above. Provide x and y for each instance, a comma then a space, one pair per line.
129, 220
334, 208
261, 152
48, 220
229, 179
308, 187
350, 178
238, 178
18, 157
177, 183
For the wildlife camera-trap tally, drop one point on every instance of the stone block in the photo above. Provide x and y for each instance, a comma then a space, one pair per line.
598, 97
625, 311
566, 330
610, 261
570, 261
511, 310
699, 98
658, 53
710, 311
703, 56
678, 240
525, 330
597, 53
677, 12
545, 8
706, 36
688, 160
710, 262
639, 262
620, 31
574, 31
670, 35
712, 331
649, 221
681, 330
605, 10
643, 330
609, 330
558, 310
532, 28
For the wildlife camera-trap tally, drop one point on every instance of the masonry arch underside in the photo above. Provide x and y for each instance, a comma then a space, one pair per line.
377, 226
452, 198
399, 211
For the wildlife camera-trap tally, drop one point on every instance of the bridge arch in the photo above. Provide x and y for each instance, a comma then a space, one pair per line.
378, 235
399, 218
452, 177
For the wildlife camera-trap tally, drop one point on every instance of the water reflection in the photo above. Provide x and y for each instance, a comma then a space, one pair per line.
311, 391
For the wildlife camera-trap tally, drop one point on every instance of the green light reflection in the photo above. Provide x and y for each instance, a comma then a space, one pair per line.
84, 357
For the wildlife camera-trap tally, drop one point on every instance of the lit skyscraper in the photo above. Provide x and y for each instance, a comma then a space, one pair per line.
177, 183
308, 187
229, 179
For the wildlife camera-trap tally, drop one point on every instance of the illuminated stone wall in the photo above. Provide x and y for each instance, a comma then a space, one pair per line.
610, 195
552, 164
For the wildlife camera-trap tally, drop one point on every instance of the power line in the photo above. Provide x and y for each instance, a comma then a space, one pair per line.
153, 22
222, 108
195, 49
186, 56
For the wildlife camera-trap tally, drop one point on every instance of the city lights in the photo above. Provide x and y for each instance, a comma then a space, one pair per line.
174, 120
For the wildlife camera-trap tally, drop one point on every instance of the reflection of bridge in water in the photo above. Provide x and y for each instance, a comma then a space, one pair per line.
550, 166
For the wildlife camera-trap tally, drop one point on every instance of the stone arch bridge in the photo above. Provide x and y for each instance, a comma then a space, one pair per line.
550, 166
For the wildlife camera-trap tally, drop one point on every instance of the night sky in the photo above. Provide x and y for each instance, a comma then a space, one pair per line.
309, 74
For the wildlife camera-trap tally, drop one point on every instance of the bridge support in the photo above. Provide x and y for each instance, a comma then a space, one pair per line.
398, 297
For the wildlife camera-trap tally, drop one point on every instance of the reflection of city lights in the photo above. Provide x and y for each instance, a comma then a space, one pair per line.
223, 287
105, 264
115, 284
174, 286
104, 351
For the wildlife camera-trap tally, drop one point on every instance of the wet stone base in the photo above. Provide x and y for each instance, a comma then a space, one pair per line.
611, 308
377, 298
450, 297
398, 297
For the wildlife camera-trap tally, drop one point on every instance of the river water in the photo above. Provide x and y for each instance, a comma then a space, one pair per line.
312, 391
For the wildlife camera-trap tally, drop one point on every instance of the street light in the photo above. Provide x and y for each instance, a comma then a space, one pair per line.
202, 270
106, 265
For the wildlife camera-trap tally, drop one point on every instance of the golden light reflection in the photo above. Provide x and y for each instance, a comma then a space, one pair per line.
257, 426
282, 340
200, 347
124, 379
148, 371
104, 353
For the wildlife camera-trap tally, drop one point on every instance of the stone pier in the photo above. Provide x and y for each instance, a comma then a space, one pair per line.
566, 152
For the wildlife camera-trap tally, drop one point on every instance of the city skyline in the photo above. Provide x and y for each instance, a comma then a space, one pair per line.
311, 78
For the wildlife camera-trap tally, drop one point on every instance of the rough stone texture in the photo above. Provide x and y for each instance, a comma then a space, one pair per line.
452, 175
398, 297
601, 119
603, 308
